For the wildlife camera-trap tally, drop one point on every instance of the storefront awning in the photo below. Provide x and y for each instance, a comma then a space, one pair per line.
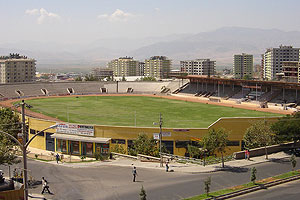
80, 138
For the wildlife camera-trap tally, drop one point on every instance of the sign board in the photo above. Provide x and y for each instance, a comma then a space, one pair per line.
164, 134
75, 129
156, 136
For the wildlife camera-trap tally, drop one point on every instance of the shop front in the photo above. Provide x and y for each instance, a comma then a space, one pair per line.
81, 145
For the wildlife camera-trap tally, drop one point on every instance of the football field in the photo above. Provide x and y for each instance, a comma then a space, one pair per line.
140, 111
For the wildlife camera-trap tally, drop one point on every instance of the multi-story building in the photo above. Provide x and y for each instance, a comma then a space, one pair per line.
198, 67
141, 68
158, 67
101, 73
274, 57
15, 68
291, 71
243, 66
124, 66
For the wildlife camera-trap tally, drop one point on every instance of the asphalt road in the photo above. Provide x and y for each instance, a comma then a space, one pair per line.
285, 191
115, 183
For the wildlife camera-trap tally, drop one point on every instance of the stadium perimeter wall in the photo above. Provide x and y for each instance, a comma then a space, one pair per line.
236, 126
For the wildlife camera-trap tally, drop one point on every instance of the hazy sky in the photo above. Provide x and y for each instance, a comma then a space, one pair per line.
80, 21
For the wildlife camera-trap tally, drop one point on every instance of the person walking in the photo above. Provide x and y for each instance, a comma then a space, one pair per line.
134, 173
57, 158
45, 186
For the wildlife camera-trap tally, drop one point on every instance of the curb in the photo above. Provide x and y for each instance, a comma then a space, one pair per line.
255, 188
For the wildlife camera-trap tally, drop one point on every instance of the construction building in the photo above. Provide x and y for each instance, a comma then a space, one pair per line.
101, 73
291, 71
15, 68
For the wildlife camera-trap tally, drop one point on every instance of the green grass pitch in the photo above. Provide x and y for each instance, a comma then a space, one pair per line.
128, 110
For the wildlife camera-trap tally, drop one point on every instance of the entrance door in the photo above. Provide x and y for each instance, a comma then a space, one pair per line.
49, 142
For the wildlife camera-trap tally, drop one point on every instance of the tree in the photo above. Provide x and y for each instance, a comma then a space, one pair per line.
259, 134
145, 145
90, 77
9, 123
253, 175
287, 128
78, 78
143, 194
194, 151
216, 141
293, 161
207, 184
123, 78
247, 77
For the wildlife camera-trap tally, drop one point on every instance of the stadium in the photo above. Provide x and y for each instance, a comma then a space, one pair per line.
95, 116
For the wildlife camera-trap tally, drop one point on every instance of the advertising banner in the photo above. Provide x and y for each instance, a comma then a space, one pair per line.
75, 129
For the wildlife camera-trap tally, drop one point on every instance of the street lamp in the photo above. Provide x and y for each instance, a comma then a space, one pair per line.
24, 150
25, 144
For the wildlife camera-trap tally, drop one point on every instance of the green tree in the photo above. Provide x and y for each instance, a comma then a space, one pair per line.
207, 184
143, 194
9, 123
90, 77
259, 134
293, 161
145, 145
118, 148
123, 78
216, 141
287, 128
194, 151
78, 78
253, 175
247, 77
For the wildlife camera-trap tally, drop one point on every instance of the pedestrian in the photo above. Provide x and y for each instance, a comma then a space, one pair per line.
134, 173
246, 154
57, 158
167, 166
45, 186
15, 173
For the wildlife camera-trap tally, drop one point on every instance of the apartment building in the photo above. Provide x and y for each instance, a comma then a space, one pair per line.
243, 66
124, 66
198, 67
158, 67
15, 68
274, 57
291, 71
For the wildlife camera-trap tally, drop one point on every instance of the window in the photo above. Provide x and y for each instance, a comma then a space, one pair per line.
181, 144
119, 141
74, 147
61, 145
32, 131
233, 143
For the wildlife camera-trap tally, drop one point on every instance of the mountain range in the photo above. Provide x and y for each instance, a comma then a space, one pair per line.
219, 45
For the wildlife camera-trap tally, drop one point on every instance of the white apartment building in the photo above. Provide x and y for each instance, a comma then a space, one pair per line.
158, 67
15, 68
124, 66
198, 67
273, 58
243, 66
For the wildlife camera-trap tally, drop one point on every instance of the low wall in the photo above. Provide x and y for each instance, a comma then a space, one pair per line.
271, 149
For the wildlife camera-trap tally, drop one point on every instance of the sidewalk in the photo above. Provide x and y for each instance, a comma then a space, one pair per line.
177, 167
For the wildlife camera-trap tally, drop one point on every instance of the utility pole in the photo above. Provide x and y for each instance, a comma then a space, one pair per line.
160, 138
25, 181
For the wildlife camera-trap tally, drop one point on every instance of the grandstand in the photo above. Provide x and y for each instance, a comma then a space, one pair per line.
23, 90
256, 92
